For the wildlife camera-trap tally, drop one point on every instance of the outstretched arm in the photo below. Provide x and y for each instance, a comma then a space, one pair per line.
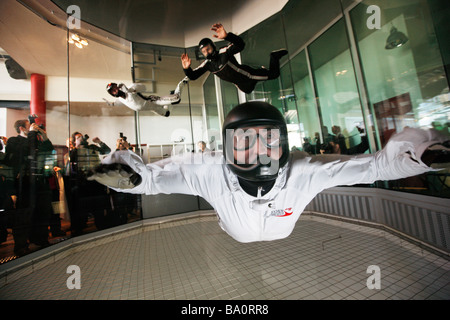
407, 154
219, 30
115, 175
124, 171
190, 174
185, 61
192, 74
237, 44
123, 87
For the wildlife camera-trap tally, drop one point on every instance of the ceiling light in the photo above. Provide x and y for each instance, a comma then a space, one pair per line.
396, 39
78, 41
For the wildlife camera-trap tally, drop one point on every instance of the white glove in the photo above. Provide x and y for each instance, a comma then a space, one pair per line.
117, 176
421, 140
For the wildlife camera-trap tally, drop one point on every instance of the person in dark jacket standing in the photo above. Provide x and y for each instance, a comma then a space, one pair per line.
84, 197
26, 154
224, 65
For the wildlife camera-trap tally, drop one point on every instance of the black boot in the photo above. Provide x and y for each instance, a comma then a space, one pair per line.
278, 54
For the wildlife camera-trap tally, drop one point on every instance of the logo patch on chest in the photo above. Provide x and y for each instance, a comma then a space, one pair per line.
281, 213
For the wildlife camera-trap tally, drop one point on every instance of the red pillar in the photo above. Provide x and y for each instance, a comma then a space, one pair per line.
37, 102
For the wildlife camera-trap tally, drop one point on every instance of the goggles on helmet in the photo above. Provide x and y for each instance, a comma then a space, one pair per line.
245, 139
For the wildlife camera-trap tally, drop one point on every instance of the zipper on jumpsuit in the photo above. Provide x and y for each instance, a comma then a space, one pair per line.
262, 216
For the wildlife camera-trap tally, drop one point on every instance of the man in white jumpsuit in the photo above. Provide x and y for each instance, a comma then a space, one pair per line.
257, 187
133, 98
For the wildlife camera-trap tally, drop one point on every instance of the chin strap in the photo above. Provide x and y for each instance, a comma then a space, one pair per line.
252, 187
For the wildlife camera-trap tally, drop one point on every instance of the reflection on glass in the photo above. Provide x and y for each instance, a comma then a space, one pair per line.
336, 88
413, 71
172, 131
212, 136
309, 125
230, 97
304, 20
288, 104
407, 85
260, 41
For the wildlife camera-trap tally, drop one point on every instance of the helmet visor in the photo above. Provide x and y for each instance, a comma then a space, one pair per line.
248, 146
245, 139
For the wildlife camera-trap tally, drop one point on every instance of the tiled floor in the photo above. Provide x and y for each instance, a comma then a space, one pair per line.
322, 259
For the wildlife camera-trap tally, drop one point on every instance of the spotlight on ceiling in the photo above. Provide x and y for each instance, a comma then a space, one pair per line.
78, 41
396, 39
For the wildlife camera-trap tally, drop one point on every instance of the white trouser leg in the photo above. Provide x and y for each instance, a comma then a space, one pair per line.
173, 98
158, 109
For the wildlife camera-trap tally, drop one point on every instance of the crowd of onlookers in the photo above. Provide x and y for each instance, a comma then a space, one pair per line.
335, 142
36, 194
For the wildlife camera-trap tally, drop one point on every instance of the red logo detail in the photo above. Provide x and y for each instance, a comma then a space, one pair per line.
287, 212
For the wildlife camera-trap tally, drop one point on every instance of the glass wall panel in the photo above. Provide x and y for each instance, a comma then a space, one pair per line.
407, 83
260, 41
287, 101
213, 124
304, 20
70, 71
336, 89
99, 124
230, 97
168, 129
309, 124
411, 74
33, 210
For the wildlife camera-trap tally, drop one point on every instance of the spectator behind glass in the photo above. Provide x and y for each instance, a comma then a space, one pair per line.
335, 146
122, 144
339, 139
5, 188
3, 141
83, 155
201, 145
83, 197
26, 154
123, 203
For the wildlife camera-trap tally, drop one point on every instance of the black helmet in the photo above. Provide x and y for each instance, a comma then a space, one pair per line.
204, 42
249, 115
109, 87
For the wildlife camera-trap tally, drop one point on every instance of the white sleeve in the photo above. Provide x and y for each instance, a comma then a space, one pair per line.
155, 179
123, 87
400, 158
137, 87
172, 175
